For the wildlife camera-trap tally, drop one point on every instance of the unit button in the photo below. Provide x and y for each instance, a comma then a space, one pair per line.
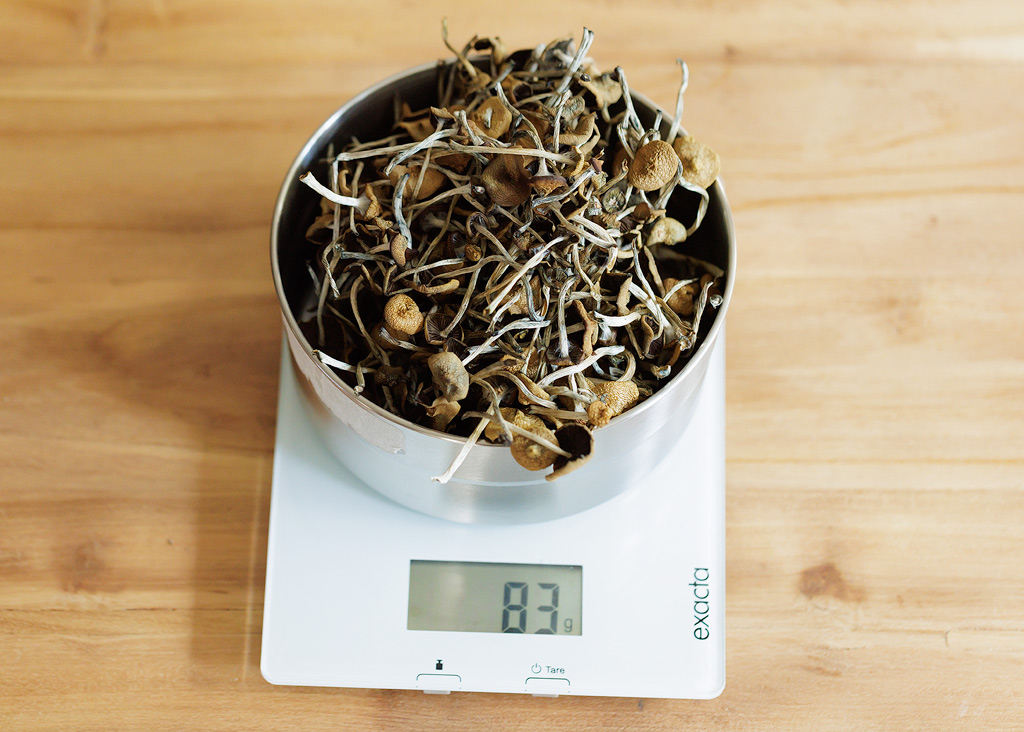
438, 683
547, 686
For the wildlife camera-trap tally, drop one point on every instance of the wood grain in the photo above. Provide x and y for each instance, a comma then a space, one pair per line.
874, 162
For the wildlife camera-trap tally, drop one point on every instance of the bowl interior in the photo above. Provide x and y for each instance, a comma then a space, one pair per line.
370, 115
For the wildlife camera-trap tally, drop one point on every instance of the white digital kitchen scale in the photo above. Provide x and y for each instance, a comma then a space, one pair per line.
624, 599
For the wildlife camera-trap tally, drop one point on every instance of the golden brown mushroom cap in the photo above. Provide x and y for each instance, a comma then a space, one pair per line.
599, 413
374, 209
442, 412
402, 315
457, 161
580, 132
605, 88
493, 430
666, 230
545, 185
681, 301
614, 398
492, 117
653, 166
398, 246
433, 179
700, 163
529, 454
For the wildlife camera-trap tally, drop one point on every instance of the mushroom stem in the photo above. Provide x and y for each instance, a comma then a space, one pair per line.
335, 363
403, 227
523, 324
577, 60
527, 266
463, 453
677, 118
360, 203
582, 365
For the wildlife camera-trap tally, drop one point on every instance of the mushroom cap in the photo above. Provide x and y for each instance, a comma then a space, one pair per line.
457, 161
599, 413
384, 338
580, 132
442, 412
388, 375
652, 342
643, 212
539, 120
402, 315
530, 422
605, 88
531, 455
417, 125
492, 117
450, 376
533, 388
614, 398
620, 394
577, 440
433, 327
618, 160
493, 430
666, 230
547, 184
441, 288
433, 179
653, 166
682, 299
507, 180
613, 200
399, 244
473, 252
700, 163
574, 107
374, 209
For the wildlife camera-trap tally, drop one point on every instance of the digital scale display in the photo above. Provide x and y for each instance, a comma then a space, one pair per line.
483, 597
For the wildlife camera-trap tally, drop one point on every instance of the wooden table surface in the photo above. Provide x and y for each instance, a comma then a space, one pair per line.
874, 157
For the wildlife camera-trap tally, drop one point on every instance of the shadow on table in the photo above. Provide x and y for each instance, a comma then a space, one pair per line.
191, 383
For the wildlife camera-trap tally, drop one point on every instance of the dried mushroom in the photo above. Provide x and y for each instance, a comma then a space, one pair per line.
423, 181
613, 398
530, 450
700, 162
450, 377
402, 315
507, 180
495, 261
578, 441
492, 118
680, 296
653, 166
666, 230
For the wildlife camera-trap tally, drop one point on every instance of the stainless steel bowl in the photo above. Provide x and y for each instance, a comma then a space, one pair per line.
398, 458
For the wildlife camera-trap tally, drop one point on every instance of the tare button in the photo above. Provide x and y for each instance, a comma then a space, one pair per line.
547, 687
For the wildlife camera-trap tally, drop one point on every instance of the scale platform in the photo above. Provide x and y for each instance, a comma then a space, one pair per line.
624, 599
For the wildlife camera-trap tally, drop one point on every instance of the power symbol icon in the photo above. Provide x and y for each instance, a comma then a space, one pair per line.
536, 668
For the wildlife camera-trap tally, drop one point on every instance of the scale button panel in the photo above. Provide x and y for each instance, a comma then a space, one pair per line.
547, 686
